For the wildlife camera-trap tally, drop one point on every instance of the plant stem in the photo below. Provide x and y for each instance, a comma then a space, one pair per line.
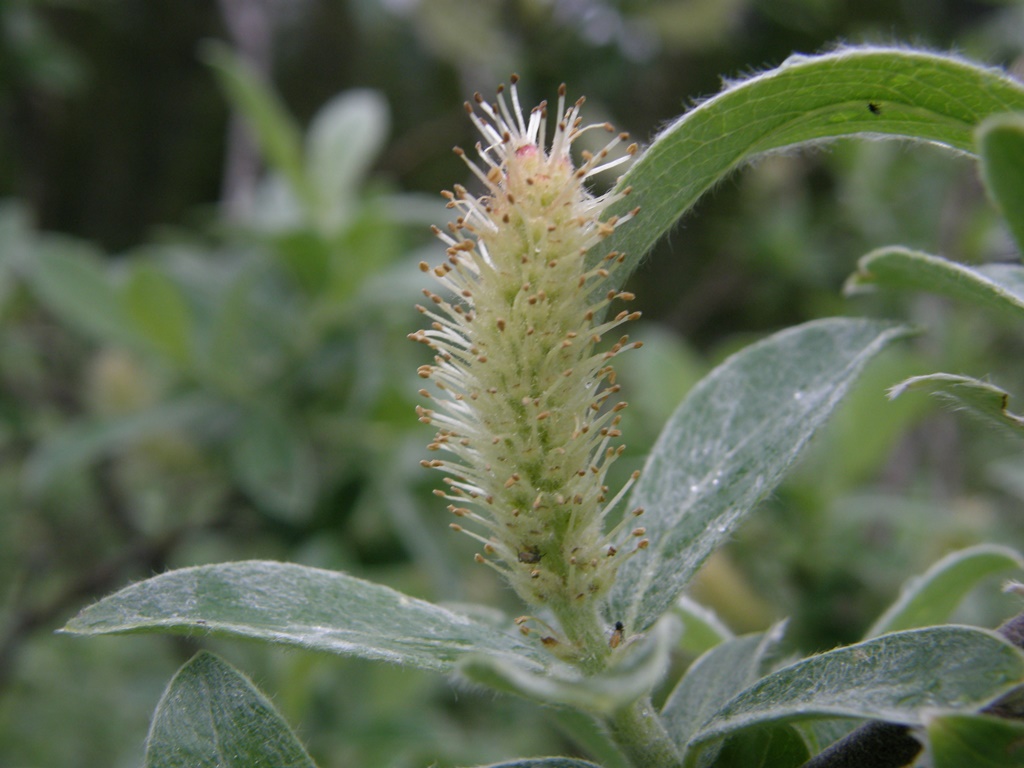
585, 630
636, 729
638, 732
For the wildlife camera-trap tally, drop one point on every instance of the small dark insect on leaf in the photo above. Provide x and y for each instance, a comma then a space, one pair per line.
616, 638
529, 556
874, 109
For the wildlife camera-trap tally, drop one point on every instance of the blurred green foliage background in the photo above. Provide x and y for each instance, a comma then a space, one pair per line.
207, 272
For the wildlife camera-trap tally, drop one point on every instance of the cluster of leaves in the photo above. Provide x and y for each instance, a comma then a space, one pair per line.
726, 447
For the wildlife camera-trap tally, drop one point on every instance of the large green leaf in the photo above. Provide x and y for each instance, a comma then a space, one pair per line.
713, 680
933, 596
306, 607
728, 445
901, 678
211, 716
999, 286
1001, 146
984, 400
867, 91
978, 741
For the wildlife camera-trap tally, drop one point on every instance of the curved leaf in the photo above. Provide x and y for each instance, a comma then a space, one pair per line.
714, 679
1001, 146
212, 716
999, 286
899, 678
933, 596
868, 91
273, 128
702, 629
987, 401
307, 607
728, 445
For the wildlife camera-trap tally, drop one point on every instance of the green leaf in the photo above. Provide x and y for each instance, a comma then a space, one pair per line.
978, 741
774, 746
868, 91
641, 668
306, 255
728, 445
932, 597
157, 308
69, 279
713, 680
344, 139
212, 716
987, 401
1001, 146
367, 244
998, 286
900, 678
305, 607
702, 629
272, 126
276, 466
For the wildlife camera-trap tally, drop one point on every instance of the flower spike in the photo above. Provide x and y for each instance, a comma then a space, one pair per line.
523, 405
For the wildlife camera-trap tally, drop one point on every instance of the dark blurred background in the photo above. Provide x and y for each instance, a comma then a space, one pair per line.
206, 276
